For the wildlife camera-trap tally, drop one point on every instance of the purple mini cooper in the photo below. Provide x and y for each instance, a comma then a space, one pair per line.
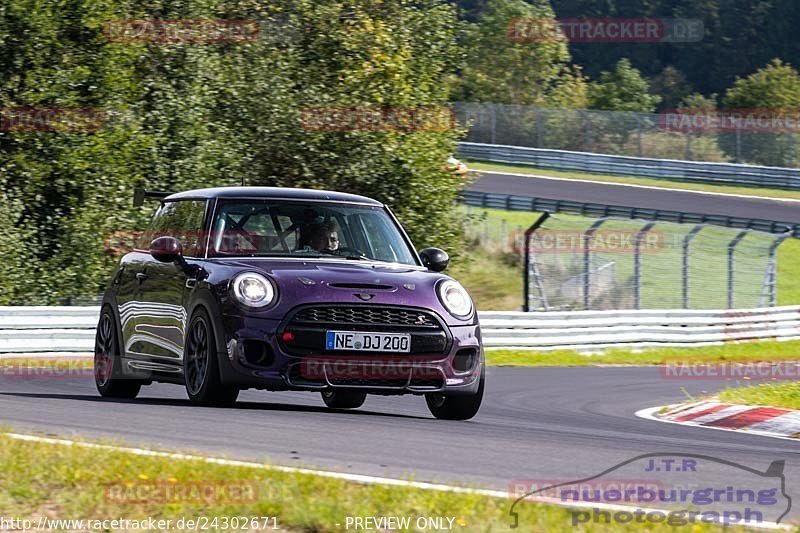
287, 289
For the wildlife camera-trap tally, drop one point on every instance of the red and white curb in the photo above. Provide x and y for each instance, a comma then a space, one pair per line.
754, 419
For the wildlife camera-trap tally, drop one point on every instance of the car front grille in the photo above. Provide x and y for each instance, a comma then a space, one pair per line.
366, 315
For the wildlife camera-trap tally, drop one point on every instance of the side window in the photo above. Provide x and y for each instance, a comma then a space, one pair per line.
182, 220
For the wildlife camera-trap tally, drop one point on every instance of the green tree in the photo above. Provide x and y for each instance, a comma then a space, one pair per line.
503, 69
775, 87
624, 89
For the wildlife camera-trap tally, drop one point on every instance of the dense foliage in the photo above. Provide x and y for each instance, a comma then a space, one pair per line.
201, 114
181, 115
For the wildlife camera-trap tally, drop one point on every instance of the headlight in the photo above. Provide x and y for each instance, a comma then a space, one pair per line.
253, 290
455, 298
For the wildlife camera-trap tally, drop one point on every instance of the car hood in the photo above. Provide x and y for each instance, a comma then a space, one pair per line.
344, 281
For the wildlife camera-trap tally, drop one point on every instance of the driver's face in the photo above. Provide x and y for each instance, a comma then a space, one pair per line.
333, 241
327, 241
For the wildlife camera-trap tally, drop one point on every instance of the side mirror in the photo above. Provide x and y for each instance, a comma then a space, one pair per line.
434, 259
166, 250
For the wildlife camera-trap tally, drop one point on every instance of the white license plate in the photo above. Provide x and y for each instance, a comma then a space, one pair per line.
368, 342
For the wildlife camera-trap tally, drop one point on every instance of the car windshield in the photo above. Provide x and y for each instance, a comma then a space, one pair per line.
307, 229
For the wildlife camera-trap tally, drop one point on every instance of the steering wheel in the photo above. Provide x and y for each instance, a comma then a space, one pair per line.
345, 250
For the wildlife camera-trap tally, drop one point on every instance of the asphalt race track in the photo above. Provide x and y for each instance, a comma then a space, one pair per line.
642, 197
536, 423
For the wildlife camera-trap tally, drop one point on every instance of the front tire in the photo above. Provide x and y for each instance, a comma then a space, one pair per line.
201, 367
446, 407
107, 361
343, 399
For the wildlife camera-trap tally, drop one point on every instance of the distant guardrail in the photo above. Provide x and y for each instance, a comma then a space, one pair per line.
71, 329
510, 202
696, 171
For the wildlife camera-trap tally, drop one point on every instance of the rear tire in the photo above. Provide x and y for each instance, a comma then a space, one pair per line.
459, 407
201, 367
108, 375
343, 399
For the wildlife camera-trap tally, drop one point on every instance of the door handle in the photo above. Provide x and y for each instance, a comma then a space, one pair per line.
141, 276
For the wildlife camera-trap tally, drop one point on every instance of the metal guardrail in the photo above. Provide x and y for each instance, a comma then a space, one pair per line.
71, 329
695, 171
530, 203
595, 330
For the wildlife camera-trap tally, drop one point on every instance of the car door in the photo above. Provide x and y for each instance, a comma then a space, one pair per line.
162, 316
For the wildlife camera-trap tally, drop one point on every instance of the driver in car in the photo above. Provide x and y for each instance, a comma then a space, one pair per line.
322, 238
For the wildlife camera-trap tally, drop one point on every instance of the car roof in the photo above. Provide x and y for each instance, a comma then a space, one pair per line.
271, 192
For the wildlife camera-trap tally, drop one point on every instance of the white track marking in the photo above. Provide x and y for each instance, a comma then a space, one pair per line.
356, 478
637, 186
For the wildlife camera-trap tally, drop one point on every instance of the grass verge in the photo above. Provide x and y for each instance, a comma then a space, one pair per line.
71, 482
632, 180
727, 353
786, 395
492, 281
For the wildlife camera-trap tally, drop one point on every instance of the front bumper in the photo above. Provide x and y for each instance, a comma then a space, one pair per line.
257, 357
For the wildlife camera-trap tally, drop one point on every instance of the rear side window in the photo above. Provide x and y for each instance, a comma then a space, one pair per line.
182, 220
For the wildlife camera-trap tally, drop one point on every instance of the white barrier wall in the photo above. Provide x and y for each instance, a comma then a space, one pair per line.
71, 329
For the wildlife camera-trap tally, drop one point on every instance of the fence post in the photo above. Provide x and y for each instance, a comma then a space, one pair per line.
790, 142
731, 250
685, 266
638, 134
587, 141
539, 127
771, 275
738, 144
526, 305
587, 262
688, 153
494, 123
637, 261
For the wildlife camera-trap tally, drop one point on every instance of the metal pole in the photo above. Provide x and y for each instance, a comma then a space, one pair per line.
738, 145
494, 122
587, 263
526, 274
772, 270
587, 141
685, 267
637, 262
539, 128
638, 134
731, 249
688, 154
